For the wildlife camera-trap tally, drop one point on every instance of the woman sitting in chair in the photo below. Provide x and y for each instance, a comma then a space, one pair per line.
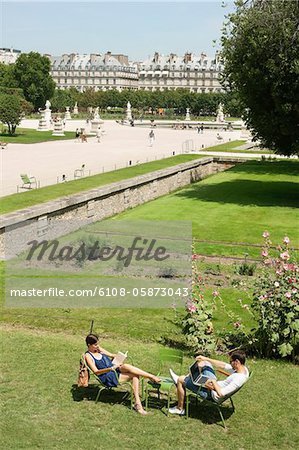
99, 361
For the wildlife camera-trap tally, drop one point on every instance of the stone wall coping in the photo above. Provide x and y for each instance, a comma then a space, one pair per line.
61, 203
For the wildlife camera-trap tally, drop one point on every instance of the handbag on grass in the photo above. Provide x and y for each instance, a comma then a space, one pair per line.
83, 377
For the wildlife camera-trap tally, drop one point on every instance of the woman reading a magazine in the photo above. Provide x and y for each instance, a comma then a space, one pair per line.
99, 361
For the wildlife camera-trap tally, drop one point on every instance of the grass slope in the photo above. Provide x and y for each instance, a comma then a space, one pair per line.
42, 407
23, 200
236, 206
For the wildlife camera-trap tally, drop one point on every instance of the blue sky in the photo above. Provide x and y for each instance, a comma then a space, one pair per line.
137, 29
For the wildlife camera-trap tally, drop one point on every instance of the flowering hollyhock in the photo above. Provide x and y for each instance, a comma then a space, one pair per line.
197, 323
276, 303
266, 234
285, 256
191, 307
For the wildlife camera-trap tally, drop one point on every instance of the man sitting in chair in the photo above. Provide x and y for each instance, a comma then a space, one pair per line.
212, 389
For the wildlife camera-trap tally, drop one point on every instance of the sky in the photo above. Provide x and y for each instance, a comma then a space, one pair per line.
136, 29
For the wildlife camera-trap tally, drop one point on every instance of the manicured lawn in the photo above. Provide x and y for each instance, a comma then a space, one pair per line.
30, 136
234, 206
43, 408
230, 147
23, 200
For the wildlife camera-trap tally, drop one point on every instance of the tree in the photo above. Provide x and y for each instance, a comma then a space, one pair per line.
7, 76
61, 99
32, 72
260, 43
10, 111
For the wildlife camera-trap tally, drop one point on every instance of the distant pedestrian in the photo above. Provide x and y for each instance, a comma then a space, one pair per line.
201, 129
151, 137
99, 135
77, 134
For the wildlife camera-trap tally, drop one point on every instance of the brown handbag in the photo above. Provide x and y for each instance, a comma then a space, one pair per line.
83, 377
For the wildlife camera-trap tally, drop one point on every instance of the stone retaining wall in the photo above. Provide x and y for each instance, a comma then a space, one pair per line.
59, 217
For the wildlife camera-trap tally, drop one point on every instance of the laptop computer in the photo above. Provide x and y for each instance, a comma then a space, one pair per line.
196, 376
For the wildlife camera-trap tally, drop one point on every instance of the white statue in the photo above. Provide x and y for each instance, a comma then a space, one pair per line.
129, 113
48, 114
96, 114
75, 111
220, 114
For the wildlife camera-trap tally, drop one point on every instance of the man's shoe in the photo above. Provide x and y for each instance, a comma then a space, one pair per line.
176, 410
174, 376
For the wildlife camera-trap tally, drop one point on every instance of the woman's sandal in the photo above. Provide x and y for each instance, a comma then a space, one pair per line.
138, 407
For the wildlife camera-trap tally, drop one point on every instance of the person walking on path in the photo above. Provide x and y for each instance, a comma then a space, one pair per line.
151, 137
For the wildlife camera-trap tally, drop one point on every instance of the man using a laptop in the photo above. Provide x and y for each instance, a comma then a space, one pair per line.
206, 385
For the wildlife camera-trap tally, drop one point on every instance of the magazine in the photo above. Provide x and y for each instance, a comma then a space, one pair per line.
119, 358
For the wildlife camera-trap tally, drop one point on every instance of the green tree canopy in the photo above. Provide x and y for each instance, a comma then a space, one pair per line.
10, 111
261, 57
32, 72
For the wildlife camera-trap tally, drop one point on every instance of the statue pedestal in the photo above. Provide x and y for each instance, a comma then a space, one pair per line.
67, 114
43, 125
58, 129
95, 123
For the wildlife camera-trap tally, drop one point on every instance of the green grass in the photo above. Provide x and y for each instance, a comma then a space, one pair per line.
43, 408
229, 147
234, 206
30, 136
33, 197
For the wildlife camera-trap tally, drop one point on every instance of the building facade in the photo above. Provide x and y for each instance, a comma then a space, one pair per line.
9, 55
196, 73
100, 72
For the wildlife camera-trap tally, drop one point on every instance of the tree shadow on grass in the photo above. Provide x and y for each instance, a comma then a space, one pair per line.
246, 192
289, 167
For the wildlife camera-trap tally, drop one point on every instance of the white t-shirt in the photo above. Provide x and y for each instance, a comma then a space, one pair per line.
231, 384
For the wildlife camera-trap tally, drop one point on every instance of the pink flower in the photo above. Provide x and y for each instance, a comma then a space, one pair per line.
267, 262
195, 256
288, 295
278, 272
286, 240
215, 294
191, 308
285, 256
265, 253
237, 324
266, 234
261, 298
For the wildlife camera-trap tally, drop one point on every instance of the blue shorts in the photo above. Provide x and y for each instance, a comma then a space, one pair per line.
203, 392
